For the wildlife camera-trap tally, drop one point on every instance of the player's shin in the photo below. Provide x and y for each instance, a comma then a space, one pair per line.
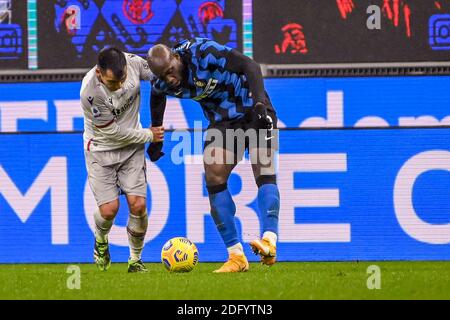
223, 210
102, 227
269, 206
136, 229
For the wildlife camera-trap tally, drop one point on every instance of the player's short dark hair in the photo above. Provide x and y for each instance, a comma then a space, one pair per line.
114, 59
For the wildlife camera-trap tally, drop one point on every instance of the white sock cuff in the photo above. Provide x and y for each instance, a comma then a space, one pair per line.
271, 236
236, 249
101, 222
131, 215
137, 225
102, 226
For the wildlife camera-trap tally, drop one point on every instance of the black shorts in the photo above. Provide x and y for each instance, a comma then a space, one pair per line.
238, 135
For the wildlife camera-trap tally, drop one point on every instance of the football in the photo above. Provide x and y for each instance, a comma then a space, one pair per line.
179, 255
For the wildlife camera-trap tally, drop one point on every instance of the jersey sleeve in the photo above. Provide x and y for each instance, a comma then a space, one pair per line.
158, 102
212, 54
129, 135
240, 64
142, 65
144, 69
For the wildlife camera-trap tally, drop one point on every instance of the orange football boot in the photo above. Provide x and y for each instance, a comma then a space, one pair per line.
267, 251
235, 263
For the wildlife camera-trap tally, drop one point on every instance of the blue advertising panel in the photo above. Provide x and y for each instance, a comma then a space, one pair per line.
345, 195
306, 103
379, 192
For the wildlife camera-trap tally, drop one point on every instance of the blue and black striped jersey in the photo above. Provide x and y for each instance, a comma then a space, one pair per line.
223, 94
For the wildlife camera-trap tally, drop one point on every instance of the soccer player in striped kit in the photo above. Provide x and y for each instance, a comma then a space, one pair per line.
230, 89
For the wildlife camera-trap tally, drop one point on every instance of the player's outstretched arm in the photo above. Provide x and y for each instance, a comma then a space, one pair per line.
117, 133
105, 122
158, 102
241, 64
213, 54
157, 107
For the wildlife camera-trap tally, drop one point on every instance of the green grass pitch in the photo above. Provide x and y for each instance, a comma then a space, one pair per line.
287, 280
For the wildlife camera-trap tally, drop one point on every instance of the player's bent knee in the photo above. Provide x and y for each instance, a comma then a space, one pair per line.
215, 180
138, 205
215, 176
109, 210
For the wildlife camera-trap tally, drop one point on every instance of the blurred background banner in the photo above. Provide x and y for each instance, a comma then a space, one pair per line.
13, 34
67, 34
71, 33
351, 31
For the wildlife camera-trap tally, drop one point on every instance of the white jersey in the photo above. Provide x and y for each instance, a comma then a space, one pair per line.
111, 118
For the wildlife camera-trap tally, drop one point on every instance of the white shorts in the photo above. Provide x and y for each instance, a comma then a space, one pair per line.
116, 171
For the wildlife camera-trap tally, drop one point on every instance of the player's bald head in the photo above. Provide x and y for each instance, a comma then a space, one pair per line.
159, 58
166, 64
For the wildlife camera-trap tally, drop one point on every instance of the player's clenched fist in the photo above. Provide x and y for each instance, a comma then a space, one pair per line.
158, 134
154, 150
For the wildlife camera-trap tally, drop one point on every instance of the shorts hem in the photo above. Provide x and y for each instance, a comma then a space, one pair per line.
136, 194
100, 203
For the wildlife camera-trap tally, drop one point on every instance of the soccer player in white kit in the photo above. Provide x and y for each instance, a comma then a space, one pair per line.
114, 149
